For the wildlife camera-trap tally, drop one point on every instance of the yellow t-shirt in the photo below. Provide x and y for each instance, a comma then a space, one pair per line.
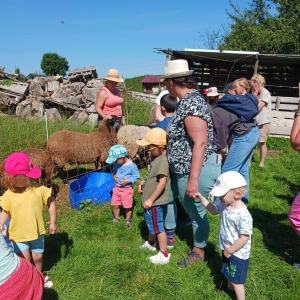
26, 213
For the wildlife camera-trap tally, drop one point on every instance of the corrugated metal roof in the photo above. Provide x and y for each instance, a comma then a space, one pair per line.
151, 79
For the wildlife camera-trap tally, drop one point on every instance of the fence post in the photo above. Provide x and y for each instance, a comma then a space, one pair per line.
277, 104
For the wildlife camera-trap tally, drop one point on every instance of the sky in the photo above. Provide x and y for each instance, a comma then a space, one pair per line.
119, 34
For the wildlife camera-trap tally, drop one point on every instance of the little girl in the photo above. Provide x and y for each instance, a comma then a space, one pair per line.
24, 204
125, 174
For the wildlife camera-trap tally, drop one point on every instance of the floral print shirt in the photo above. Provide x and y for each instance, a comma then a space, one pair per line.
180, 145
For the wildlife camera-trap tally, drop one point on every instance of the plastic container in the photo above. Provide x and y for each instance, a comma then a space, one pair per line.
94, 186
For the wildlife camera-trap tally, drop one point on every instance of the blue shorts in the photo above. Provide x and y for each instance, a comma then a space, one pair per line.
154, 219
35, 246
235, 269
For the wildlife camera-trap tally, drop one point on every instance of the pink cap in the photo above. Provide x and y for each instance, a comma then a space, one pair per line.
19, 164
206, 91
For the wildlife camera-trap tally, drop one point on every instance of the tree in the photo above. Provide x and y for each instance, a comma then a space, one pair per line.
53, 64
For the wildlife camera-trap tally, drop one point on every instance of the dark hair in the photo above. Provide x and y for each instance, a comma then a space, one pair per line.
187, 81
168, 102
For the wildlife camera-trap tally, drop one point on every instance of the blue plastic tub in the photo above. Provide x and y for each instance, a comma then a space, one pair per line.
94, 186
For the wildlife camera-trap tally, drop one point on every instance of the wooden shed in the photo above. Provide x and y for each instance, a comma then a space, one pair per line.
151, 84
216, 68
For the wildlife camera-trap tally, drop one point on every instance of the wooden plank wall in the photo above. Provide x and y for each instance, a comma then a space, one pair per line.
283, 110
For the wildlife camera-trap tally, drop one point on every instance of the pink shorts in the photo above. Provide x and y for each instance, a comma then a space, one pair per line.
122, 196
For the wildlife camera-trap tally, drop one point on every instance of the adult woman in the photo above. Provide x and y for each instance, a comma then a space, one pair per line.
109, 102
238, 112
190, 151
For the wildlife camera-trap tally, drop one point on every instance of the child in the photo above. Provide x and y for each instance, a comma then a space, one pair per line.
235, 228
167, 105
24, 204
155, 189
125, 174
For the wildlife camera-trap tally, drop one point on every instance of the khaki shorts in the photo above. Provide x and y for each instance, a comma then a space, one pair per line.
264, 130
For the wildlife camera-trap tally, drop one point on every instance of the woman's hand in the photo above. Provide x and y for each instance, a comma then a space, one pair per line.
107, 117
192, 188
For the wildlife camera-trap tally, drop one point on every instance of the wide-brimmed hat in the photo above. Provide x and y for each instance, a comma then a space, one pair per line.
113, 75
176, 68
213, 91
116, 152
19, 163
155, 136
228, 86
228, 181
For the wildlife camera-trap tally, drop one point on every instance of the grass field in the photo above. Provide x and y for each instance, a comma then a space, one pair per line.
89, 258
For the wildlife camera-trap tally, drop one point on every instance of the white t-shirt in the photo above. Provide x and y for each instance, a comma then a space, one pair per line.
233, 223
265, 115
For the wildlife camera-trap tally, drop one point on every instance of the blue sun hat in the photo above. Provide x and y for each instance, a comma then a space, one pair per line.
115, 152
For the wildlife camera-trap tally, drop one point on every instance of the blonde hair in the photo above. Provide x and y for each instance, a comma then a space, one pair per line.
258, 78
242, 190
243, 82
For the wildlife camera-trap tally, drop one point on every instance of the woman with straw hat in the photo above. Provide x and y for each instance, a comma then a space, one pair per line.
109, 101
190, 152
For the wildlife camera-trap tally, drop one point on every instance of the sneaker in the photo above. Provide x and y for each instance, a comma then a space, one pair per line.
170, 243
262, 165
115, 220
146, 245
128, 224
192, 259
159, 258
47, 283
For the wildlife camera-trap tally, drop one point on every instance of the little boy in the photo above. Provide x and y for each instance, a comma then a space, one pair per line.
167, 105
125, 174
155, 189
235, 228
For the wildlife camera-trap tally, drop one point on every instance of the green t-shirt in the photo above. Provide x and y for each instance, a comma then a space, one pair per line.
159, 166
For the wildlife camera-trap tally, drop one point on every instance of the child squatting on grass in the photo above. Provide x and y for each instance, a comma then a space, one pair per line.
24, 204
125, 174
235, 228
156, 189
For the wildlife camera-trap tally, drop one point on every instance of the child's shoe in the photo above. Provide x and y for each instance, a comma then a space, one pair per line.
170, 243
47, 283
160, 258
128, 223
115, 220
146, 245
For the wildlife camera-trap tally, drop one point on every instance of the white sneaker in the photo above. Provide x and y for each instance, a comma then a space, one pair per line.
159, 258
146, 245
47, 283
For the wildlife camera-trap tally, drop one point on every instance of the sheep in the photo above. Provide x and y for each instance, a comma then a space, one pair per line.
38, 157
127, 136
80, 148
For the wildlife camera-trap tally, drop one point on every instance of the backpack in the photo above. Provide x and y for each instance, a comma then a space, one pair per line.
244, 106
220, 129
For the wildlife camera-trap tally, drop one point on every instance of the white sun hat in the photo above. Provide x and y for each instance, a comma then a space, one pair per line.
213, 91
176, 68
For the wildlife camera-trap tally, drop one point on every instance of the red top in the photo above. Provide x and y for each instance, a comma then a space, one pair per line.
113, 103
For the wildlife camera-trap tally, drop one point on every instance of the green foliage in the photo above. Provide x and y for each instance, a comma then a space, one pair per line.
134, 84
85, 204
53, 64
17, 70
6, 82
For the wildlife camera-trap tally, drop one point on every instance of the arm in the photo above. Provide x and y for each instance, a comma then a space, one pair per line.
261, 104
197, 130
3, 218
101, 96
162, 182
140, 188
295, 133
238, 244
157, 113
210, 207
52, 213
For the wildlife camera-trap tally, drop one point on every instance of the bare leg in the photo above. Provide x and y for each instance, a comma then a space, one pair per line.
151, 237
128, 212
263, 152
117, 212
239, 291
38, 260
162, 240
25, 254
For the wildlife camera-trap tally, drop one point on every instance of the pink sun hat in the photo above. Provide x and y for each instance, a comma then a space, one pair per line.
19, 163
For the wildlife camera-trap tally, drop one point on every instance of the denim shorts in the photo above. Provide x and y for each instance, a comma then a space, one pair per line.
235, 269
154, 218
35, 246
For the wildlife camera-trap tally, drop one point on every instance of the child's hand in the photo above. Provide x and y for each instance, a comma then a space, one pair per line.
116, 179
226, 253
125, 181
52, 228
147, 204
140, 189
198, 196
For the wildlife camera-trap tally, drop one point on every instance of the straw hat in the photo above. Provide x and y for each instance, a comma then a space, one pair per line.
176, 68
113, 75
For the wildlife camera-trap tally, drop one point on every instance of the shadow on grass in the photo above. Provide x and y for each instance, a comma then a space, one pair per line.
279, 238
50, 294
56, 247
294, 189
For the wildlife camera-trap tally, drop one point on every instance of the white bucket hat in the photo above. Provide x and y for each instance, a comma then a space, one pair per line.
213, 91
228, 181
176, 68
113, 75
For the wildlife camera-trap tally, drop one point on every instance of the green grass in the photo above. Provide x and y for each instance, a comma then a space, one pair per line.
134, 84
91, 259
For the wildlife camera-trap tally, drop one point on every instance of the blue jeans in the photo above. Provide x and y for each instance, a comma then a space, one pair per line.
170, 211
239, 155
208, 176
